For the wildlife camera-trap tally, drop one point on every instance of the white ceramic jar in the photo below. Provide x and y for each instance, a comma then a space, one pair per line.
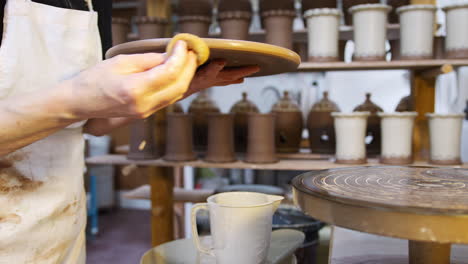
456, 40
445, 138
370, 31
417, 31
397, 135
323, 26
350, 133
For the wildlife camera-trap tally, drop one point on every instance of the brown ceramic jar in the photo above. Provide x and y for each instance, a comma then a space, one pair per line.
195, 17
373, 124
142, 144
120, 29
289, 124
347, 4
151, 27
320, 125
406, 104
261, 139
199, 108
277, 19
179, 146
240, 111
220, 138
234, 19
194, 8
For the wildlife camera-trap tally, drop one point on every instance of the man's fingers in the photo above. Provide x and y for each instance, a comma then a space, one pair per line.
230, 82
237, 73
212, 68
129, 64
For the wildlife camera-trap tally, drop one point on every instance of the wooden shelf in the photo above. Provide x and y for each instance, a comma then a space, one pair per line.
284, 164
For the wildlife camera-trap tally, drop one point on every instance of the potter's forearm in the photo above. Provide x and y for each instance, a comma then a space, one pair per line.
103, 126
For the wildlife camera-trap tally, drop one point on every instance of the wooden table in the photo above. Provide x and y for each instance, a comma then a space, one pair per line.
426, 205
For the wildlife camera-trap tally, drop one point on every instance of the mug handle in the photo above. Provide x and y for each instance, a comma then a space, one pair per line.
196, 239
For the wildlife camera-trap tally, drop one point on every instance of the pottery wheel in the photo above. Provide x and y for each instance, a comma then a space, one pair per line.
271, 59
428, 206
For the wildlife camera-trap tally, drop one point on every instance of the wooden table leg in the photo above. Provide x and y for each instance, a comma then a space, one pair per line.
429, 253
162, 205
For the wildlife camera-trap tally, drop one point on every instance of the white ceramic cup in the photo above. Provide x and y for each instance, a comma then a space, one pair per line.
445, 138
397, 135
417, 31
370, 31
240, 226
350, 133
323, 26
456, 40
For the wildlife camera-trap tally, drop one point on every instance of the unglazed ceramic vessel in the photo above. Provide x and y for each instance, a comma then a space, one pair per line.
279, 27
347, 4
406, 104
445, 136
120, 29
240, 111
397, 135
261, 138
142, 143
234, 18
196, 25
456, 40
370, 31
321, 127
289, 124
350, 130
240, 224
373, 124
195, 8
179, 146
200, 107
323, 33
151, 27
220, 138
417, 31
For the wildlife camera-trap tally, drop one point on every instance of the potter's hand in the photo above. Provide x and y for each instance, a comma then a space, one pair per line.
132, 85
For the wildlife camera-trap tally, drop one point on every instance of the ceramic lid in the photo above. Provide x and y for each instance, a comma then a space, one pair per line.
325, 105
239, 5
195, 8
203, 103
353, 114
366, 7
448, 115
285, 104
244, 106
398, 114
416, 7
322, 12
368, 105
405, 104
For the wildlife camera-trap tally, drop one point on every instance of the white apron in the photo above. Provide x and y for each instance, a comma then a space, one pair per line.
42, 199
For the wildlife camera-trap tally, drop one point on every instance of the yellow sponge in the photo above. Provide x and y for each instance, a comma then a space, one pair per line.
194, 43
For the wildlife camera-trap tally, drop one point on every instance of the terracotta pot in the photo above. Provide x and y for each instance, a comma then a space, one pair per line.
350, 129
195, 8
240, 111
200, 107
179, 146
397, 135
417, 31
445, 138
289, 124
347, 4
370, 31
393, 17
142, 144
373, 124
321, 127
220, 138
456, 40
235, 24
323, 34
196, 25
120, 29
279, 27
261, 139
151, 27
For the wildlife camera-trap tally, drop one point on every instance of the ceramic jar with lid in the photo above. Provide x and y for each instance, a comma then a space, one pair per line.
323, 33
456, 40
373, 138
445, 138
151, 27
278, 17
397, 135
195, 17
234, 19
370, 31
350, 130
199, 108
289, 124
240, 110
320, 126
406, 104
120, 29
417, 31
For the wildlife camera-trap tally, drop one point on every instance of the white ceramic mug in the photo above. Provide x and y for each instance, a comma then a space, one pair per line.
350, 133
323, 26
445, 138
240, 226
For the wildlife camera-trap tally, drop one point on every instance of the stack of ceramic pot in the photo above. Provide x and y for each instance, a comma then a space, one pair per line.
179, 137
370, 31
417, 31
151, 27
199, 108
195, 17
289, 124
456, 41
261, 138
323, 34
347, 4
445, 138
350, 131
120, 29
277, 17
234, 18
241, 110
373, 125
320, 126
220, 138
